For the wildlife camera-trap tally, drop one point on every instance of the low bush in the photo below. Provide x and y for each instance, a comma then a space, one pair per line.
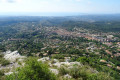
1, 75
32, 70
87, 73
63, 70
58, 56
4, 62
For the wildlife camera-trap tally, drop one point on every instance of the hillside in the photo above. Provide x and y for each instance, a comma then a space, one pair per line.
62, 48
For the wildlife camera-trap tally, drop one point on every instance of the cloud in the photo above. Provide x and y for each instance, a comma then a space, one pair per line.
78, 0
18, 0
68, 0
89, 2
10, 1
57, 0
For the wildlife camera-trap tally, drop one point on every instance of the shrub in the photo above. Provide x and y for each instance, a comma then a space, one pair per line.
58, 56
1, 56
32, 70
4, 62
63, 70
1, 75
78, 72
87, 73
100, 76
83, 60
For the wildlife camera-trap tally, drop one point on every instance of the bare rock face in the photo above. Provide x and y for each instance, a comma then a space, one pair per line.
67, 76
58, 64
44, 59
12, 56
55, 71
8, 73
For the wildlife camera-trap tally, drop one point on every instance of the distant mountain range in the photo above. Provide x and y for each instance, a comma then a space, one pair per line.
106, 22
61, 16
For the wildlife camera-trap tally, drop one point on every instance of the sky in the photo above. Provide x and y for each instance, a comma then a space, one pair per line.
59, 6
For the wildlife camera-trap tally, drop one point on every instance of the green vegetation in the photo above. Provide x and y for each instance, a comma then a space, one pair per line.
85, 73
59, 38
32, 70
3, 62
1, 75
94, 61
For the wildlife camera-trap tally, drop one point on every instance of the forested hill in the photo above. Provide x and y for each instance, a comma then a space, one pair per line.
105, 23
108, 26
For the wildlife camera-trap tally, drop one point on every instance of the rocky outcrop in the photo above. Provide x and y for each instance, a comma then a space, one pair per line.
12, 56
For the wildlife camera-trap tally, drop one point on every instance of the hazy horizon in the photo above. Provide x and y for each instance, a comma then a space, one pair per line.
53, 14
58, 7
